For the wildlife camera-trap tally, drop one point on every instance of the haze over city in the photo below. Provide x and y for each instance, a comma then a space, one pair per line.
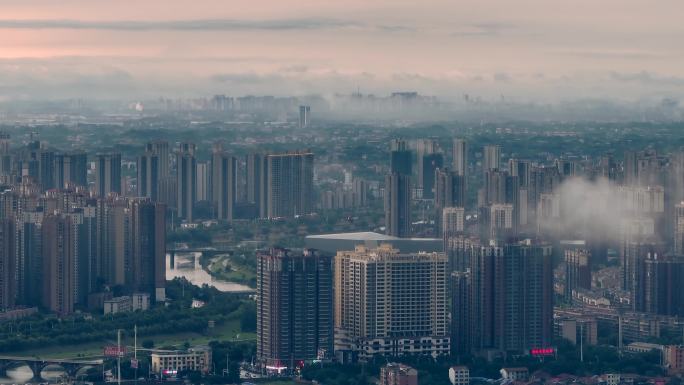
533, 50
355, 192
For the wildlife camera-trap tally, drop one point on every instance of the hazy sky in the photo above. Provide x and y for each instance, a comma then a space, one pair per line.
524, 49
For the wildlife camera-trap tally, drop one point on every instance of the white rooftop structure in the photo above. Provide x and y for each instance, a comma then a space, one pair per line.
332, 243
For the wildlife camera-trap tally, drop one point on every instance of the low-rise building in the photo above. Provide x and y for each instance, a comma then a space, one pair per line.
515, 374
197, 358
644, 347
577, 330
117, 305
674, 358
398, 374
459, 375
140, 301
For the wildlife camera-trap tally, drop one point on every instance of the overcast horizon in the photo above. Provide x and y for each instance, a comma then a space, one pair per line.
535, 51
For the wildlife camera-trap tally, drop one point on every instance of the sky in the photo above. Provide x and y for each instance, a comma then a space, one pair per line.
526, 50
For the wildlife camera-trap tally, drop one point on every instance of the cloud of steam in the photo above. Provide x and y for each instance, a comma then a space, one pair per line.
602, 210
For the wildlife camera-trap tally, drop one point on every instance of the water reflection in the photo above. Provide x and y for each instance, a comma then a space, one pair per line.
187, 264
23, 374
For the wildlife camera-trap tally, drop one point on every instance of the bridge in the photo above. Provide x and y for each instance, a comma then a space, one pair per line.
37, 364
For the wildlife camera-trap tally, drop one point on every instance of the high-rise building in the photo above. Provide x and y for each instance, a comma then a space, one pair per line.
289, 184
8, 268
148, 241
224, 184
5, 155
401, 158
389, 303
460, 249
460, 312
577, 271
29, 262
450, 190
679, 229
657, 285
161, 149
430, 164
148, 175
491, 158
460, 157
47, 169
186, 180
59, 264
511, 298
359, 192
108, 174
398, 205
453, 221
294, 308
71, 169
520, 168
257, 183
629, 168
152, 168
428, 159
496, 222
304, 116
203, 181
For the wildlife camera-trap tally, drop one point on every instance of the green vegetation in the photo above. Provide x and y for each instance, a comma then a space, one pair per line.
239, 268
170, 325
597, 359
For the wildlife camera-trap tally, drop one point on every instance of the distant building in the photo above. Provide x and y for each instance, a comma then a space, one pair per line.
186, 180
401, 158
398, 374
289, 184
224, 183
460, 157
203, 182
197, 358
108, 174
459, 375
411, 317
491, 158
304, 116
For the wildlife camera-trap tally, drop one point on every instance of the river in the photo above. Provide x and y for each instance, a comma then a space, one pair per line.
187, 264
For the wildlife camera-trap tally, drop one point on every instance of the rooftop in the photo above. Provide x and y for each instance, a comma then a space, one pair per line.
367, 236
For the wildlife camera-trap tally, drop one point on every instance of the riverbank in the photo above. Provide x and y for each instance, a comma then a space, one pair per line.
237, 268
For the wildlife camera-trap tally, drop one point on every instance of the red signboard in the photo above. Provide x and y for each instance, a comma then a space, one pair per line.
114, 351
542, 352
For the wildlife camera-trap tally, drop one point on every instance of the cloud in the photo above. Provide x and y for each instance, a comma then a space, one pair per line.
611, 54
647, 78
487, 29
198, 25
